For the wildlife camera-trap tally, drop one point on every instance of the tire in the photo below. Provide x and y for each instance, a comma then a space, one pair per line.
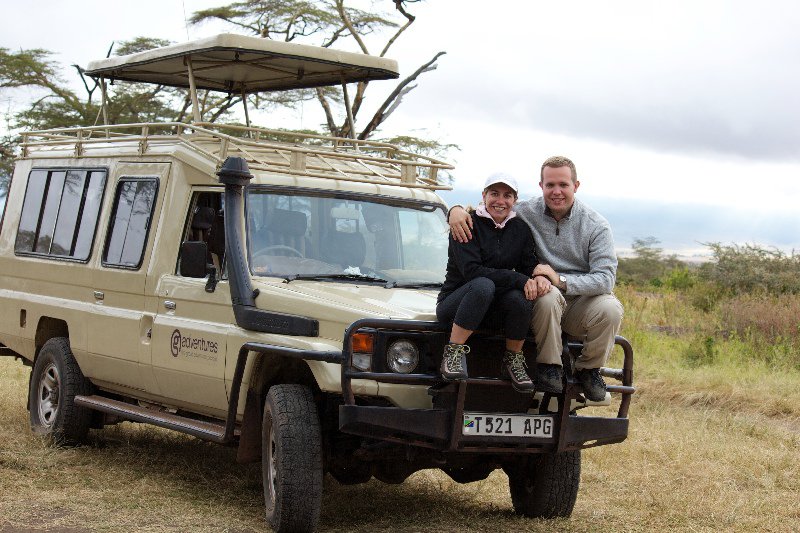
291, 458
55, 381
547, 485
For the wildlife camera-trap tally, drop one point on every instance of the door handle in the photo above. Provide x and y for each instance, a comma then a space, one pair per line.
99, 295
169, 304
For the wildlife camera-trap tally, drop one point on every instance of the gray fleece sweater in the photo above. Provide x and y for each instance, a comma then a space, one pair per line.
579, 246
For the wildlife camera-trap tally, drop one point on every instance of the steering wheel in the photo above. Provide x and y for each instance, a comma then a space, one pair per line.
279, 247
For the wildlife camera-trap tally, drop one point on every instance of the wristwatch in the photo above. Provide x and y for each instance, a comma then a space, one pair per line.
562, 281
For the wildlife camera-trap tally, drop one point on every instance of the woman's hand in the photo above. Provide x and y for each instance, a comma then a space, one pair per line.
536, 287
460, 224
531, 289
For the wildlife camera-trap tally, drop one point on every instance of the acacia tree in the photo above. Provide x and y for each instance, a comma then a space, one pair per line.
56, 105
324, 23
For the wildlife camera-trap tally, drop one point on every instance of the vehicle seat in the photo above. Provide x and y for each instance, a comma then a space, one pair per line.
283, 228
201, 223
203, 228
216, 239
344, 249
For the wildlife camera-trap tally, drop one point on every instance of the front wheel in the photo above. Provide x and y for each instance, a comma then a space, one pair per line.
546, 485
291, 455
55, 381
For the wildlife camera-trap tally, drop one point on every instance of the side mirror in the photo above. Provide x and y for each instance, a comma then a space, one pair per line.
193, 259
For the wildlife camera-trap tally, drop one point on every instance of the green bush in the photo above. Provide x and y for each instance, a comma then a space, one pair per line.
679, 279
702, 351
649, 265
752, 269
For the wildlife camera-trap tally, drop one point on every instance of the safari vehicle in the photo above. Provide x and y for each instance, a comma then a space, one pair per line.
267, 290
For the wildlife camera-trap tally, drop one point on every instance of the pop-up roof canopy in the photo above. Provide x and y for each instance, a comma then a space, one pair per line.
236, 63
242, 64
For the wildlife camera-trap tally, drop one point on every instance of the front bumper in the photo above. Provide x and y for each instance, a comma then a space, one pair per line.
440, 428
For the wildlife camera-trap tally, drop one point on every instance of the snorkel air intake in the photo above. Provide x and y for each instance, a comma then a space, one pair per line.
236, 176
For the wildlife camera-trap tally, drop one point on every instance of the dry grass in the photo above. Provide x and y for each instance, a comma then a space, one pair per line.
689, 464
770, 324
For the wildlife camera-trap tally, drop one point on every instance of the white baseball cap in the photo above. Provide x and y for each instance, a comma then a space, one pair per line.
501, 177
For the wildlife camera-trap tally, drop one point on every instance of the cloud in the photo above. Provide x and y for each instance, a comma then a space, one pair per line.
714, 77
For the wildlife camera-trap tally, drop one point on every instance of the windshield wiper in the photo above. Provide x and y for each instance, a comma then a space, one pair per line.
412, 285
319, 277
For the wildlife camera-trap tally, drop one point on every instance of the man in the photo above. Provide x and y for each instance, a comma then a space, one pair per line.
576, 253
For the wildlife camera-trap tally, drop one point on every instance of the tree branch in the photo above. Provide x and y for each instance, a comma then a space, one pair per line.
231, 101
349, 24
407, 89
381, 114
409, 21
334, 37
86, 85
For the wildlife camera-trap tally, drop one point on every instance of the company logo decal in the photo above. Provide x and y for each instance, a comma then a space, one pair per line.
193, 346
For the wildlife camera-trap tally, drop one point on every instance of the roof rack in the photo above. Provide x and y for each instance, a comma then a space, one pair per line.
281, 151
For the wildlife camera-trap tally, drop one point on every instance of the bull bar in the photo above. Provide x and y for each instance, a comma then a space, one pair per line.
440, 428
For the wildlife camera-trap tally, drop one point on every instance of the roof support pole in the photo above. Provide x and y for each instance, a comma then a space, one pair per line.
193, 91
244, 102
104, 95
350, 120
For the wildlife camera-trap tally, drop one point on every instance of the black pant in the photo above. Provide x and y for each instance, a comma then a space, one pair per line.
478, 299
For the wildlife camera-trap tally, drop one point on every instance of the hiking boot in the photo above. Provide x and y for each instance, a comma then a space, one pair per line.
594, 388
454, 363
549, 378
514, 369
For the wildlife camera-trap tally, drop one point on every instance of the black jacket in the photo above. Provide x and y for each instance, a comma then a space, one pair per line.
505, 256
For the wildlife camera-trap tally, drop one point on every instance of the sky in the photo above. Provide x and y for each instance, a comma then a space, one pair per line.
681, 116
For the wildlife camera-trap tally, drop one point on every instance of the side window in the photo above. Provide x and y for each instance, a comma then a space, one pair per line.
130, 222
59, 213
206, 222
5, 185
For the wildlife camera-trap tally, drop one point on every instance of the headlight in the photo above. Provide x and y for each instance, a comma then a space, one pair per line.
402, 357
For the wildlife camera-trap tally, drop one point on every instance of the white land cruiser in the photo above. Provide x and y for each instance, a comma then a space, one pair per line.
266, 290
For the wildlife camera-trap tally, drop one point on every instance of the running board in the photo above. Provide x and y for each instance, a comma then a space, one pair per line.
135, 413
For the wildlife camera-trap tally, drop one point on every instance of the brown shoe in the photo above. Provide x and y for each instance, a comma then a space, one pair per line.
514, 369
454, 363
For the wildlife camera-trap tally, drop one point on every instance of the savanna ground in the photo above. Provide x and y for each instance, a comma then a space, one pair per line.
714, 445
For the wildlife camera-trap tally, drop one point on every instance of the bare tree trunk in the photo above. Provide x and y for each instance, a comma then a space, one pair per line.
328, 113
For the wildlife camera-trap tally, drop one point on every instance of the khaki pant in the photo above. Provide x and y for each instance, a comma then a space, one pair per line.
596, 319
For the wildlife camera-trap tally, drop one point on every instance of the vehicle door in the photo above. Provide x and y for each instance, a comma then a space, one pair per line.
119, 327
193, 315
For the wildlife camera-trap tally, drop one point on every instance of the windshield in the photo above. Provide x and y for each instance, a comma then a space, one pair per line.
296, 236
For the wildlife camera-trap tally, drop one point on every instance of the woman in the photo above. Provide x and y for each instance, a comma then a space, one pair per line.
491, 273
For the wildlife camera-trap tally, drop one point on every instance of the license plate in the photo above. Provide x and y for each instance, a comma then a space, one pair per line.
502, 425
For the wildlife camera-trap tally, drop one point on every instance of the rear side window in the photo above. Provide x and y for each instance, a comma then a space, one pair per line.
130, 222
59, 213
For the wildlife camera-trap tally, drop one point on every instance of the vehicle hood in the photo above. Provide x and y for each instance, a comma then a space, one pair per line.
352, 301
